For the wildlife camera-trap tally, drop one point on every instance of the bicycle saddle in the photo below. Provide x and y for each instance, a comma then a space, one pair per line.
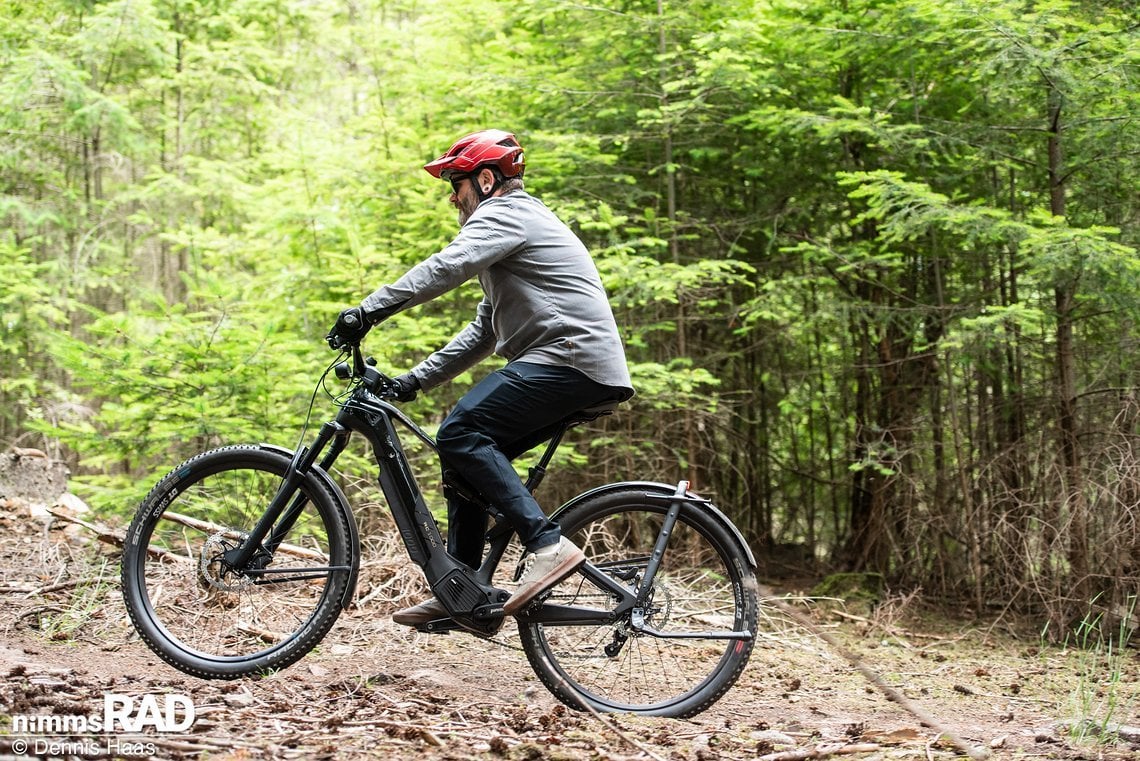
591, 413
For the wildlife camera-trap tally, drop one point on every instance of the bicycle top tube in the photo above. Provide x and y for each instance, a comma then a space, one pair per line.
365, 401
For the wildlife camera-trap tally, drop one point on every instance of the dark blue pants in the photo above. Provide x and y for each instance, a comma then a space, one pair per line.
506, 414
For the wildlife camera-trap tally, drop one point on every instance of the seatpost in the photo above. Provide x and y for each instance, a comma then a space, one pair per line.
537, 472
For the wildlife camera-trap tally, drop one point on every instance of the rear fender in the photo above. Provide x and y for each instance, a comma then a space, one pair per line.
346, 513
665, 491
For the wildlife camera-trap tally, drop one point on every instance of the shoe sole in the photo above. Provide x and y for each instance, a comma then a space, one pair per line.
560, 572
418, 619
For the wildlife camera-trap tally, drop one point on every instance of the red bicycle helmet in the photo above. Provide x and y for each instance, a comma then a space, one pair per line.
491, 147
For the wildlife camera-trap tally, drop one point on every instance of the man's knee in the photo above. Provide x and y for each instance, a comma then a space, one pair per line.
454, 435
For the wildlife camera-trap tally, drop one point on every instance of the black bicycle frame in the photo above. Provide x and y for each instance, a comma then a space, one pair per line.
468, 595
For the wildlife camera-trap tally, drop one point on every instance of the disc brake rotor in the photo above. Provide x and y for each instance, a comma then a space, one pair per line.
213, 569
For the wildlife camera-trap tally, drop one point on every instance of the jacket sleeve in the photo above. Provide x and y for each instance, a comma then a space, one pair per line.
473, 344
492, 232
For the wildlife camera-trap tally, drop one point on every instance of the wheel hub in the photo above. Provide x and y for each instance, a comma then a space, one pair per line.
653, 611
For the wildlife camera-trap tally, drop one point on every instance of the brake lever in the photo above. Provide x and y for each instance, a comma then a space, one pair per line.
383, 384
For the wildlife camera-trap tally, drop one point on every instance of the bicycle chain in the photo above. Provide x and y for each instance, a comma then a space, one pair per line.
519, 648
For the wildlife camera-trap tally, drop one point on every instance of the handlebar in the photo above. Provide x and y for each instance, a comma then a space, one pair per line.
365, 370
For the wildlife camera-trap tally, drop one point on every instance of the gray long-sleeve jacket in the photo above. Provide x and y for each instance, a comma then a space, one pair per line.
543, 299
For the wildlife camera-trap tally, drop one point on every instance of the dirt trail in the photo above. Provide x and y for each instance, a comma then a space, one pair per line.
374, 689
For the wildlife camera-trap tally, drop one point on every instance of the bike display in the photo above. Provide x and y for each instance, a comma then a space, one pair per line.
239, 561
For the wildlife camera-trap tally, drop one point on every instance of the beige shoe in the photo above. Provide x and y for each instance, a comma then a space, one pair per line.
428, 610
542, 571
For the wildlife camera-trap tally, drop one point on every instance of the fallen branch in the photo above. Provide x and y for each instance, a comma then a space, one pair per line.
212, 528
820, 751
37, 610
60, 586
102, 533
265, 635
613, 727
113, 537
118, 538
893, 695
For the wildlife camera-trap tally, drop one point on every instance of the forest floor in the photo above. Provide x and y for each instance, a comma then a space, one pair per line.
375, 689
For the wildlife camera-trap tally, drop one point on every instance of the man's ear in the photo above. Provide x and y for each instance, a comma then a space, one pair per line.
486, 180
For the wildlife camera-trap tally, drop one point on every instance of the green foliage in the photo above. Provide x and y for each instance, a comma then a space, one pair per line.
834, 236
1100, 641
184, 381
25, 313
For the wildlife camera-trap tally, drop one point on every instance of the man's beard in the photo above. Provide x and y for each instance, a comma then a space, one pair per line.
467, 207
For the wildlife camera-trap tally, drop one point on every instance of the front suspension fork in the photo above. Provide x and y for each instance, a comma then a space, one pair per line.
286, 506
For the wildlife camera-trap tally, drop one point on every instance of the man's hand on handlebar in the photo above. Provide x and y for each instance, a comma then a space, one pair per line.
350, 327
404, 387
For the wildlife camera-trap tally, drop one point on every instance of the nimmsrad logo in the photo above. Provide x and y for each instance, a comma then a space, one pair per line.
121, 713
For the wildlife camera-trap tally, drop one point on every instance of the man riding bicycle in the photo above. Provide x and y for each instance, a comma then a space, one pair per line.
544, 309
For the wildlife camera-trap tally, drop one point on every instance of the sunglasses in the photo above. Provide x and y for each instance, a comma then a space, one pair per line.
456, 181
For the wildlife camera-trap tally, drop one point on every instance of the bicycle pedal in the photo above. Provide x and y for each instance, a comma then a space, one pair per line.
438, 626
536, 604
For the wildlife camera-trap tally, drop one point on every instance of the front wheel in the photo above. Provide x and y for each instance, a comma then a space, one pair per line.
704, 586
211, 620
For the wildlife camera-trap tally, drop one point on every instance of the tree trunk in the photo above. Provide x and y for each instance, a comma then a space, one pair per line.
1065, 303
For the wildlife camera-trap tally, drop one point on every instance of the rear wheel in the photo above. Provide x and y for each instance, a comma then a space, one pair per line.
704, 585
206, 618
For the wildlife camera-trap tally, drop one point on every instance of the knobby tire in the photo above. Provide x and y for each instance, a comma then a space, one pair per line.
705, 583
195, 614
